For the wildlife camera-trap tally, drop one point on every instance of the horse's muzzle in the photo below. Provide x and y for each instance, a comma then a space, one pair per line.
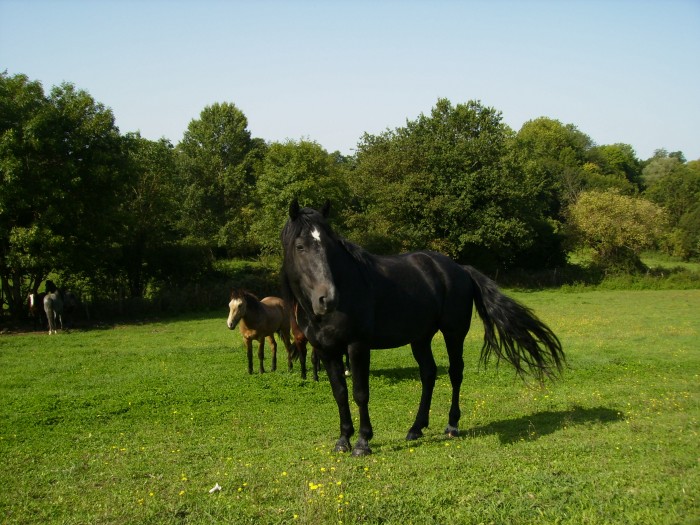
325, 302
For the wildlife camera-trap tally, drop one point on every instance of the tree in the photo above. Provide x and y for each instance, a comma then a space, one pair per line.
675, 185
554, 154
295, 169
218, 166
61, 157
150, 211
447, 181
616, 227
661, 164
613, 166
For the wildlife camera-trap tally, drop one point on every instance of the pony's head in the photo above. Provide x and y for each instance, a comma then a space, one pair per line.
236, 308
309, 244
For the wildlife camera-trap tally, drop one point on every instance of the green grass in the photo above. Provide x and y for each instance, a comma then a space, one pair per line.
135, 424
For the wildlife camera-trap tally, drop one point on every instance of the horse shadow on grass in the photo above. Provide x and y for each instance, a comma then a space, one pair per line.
528, 428
398, 375
534, 426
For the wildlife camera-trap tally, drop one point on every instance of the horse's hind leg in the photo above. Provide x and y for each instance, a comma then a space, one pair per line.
284, 336
300, 344
50, 321
273, 346
455, 350
428, 373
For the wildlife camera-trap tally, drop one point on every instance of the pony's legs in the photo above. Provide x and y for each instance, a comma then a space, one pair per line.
336, 376
261, 355
360, 391
423, 354
273, 346
455, 351
249, 351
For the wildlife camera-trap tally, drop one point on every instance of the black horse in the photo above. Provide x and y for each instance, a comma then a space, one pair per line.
351, 299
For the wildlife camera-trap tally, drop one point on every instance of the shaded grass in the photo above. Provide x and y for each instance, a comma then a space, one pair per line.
136, 424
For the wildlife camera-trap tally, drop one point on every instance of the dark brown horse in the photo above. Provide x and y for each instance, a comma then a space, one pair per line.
260, 319
350, 299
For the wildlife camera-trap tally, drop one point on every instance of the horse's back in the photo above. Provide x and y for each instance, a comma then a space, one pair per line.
420, 293
53, 302
277, 310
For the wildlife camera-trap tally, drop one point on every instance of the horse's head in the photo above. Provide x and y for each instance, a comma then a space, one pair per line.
309, 244
236, 308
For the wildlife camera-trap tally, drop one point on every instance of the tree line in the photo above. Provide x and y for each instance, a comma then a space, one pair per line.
126, 216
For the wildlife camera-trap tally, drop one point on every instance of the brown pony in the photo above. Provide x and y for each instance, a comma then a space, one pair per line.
259, 319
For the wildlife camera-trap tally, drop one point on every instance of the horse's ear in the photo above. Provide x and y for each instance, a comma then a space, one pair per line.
326, 210
294, 209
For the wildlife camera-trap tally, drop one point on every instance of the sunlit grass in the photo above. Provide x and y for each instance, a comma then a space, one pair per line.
137, 424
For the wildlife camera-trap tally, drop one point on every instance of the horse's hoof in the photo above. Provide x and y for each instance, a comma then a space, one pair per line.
342, 445
451, 431
413, 435
361, 450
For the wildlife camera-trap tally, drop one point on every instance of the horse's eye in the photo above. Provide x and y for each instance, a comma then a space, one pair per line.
300, 247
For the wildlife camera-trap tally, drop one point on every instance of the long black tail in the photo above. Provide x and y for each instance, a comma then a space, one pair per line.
514, 333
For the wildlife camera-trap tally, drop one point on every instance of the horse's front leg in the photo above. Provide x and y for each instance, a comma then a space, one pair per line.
359, 364
249, 351
333, 363
314, 363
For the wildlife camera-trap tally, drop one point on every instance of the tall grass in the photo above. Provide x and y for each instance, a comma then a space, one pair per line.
135, 424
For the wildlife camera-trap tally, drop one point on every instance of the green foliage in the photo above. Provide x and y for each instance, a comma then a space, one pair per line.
135, 424
554, 154
613, 166
446, 182
218, 169
122, 217
677, 189
302, 170
617, 227
687, 235
62, 163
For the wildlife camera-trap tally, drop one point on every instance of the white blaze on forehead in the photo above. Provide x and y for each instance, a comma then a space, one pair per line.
316, 235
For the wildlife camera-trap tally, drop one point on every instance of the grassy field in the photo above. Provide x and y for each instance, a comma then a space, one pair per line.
135, 424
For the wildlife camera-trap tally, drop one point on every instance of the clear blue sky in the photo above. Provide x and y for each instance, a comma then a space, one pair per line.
329, 71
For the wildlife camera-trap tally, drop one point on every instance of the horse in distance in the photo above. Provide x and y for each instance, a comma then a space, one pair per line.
53, 307
260, 319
